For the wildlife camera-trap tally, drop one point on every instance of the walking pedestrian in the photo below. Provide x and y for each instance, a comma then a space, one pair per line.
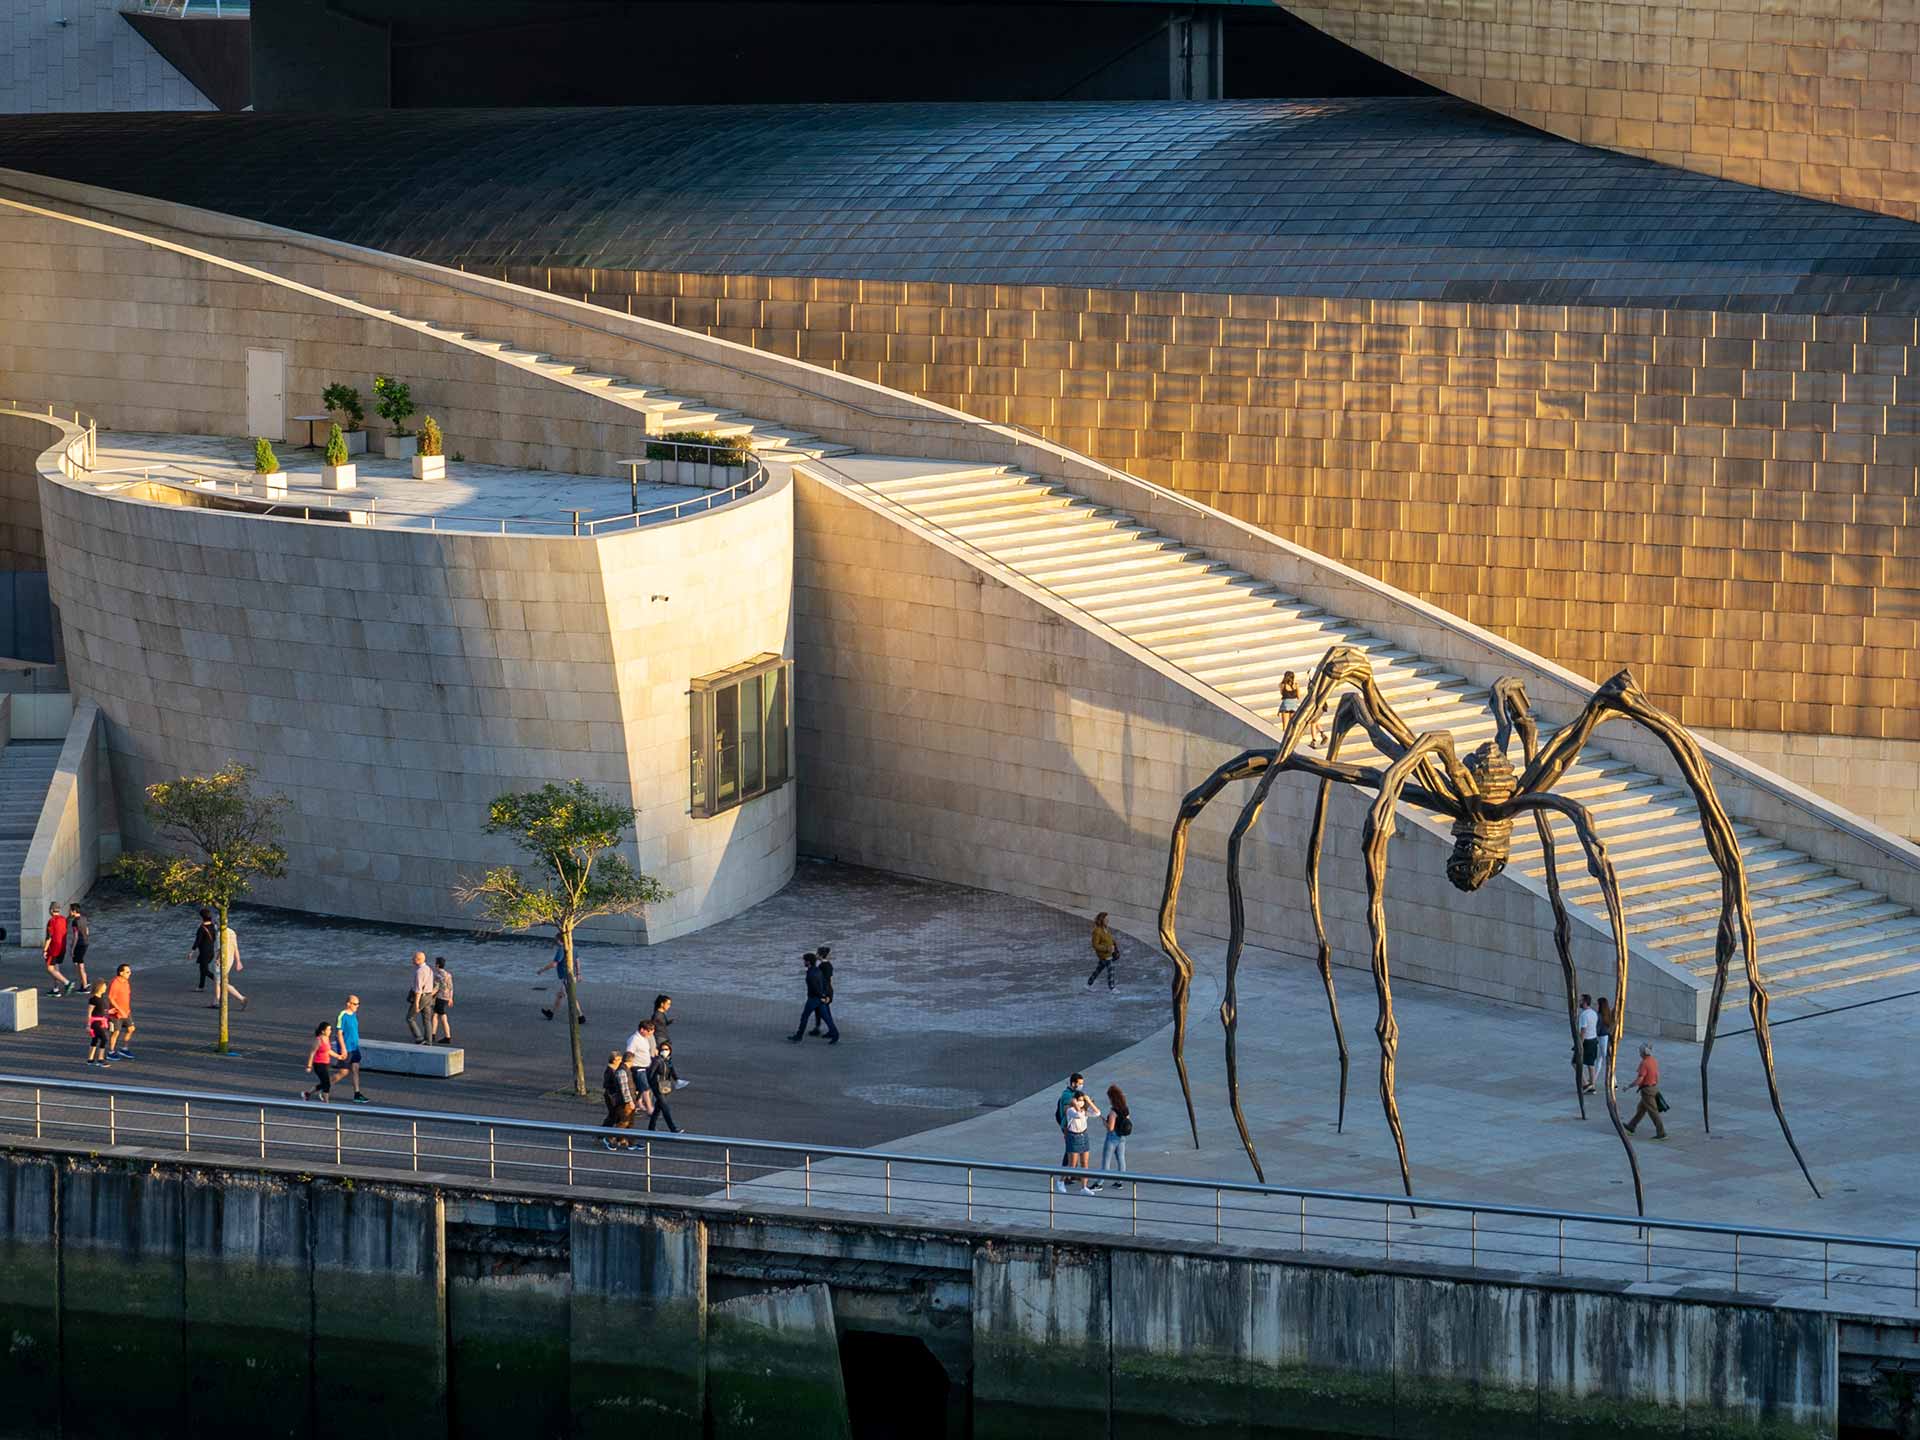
1119, 1127
346, 1031
230, 963
816, 1006
617, 1086
558, 965
639, 1057
420, 1000
320, 1062
1080, 1112
99, 1024
53, 950
662, 1005
1106, 949
1589, 1019
826, 988
442, 1028
201, 952
120, 999
79, 936
1603, 1012
1647, 1081
660, 1082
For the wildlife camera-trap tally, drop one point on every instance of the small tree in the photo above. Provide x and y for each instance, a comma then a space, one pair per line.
394, 401
265, 462
346, 400
573, 834
230, 836
336, 446
431, 441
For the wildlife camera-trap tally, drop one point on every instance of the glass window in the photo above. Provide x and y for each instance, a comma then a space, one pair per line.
739, 724
726, 745
697, 725
752, 758
775, 696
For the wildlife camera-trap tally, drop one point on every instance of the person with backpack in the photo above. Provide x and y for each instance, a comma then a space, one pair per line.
1119, 1127
660, 1081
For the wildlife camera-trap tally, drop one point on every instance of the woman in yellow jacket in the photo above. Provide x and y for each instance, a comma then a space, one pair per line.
1105, 949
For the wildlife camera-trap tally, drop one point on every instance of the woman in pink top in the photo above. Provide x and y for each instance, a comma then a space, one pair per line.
1647, 1080
320, 1061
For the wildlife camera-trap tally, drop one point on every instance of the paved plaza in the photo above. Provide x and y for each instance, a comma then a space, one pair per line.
962, 1010
470, 496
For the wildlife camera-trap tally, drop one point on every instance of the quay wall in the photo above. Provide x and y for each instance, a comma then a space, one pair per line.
223, 1296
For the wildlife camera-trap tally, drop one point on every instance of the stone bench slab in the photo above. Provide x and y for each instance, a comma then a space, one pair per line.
19, 1008
409, 1057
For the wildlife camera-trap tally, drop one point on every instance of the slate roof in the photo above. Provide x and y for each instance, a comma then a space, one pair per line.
1427, 198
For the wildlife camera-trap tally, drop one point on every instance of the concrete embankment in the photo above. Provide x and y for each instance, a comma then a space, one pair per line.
151, 1294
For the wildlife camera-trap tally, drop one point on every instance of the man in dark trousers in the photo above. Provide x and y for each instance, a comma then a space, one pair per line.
203, 944
826, 984
816, 1004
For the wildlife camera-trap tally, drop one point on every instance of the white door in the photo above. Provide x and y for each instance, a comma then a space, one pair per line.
267, 394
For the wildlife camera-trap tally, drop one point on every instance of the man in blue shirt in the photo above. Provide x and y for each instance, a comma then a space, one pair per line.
346, 1034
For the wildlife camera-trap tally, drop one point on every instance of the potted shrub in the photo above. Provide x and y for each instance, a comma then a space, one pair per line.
266, 468
394, 401
345, 400
699, 457
337, 474
431, 462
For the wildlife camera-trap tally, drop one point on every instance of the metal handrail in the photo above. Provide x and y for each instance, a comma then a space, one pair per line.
800, 1161
201, 484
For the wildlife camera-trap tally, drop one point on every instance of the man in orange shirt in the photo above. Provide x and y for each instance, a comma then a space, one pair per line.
1647, 1080
120, 1012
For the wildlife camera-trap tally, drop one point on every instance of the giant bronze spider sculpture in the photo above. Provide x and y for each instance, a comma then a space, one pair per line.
1483, 796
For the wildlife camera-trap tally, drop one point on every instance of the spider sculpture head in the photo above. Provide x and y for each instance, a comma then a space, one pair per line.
1480, 844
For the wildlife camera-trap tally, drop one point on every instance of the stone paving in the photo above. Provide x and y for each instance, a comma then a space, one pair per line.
950, 1000
470, 497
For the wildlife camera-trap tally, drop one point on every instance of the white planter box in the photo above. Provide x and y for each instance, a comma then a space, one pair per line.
356, 441
429, 467
19, 1008
400, 447
274, 485
700, 473
338, 477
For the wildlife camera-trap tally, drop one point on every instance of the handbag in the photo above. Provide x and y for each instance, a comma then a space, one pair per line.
1660, 1102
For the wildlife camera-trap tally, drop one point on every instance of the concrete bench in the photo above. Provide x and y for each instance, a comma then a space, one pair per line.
410, 1057
19, 1008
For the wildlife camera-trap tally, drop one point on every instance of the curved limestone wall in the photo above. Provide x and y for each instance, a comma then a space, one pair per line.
391, 683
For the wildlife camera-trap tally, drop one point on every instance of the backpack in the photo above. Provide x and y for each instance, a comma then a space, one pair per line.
1123, 1127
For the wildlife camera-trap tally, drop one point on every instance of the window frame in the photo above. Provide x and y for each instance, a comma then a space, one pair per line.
775, 674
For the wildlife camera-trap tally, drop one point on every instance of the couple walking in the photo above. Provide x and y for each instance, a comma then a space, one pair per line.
1074, 1113
819, 1006
1596, 1030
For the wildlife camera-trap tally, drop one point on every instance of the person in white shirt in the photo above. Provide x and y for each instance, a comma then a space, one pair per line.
420, 1000
1589, 1042
640, 1048
229, 962
1077, 1113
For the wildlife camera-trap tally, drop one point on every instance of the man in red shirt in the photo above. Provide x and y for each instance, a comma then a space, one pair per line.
53, 950
1647, 1081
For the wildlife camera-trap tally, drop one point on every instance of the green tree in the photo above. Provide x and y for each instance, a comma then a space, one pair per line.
573, 834
227, 837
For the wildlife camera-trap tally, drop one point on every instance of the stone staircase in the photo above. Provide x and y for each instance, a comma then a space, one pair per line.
1819, 931
664, 413
26, 769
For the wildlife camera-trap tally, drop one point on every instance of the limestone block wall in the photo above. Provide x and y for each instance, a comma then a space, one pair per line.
1878, 780
391, 683
154, 336
78, 829
956, 724
1818, 99
22, 439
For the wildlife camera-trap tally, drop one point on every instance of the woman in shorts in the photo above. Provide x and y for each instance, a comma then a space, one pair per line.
1079, 1113
320, 1061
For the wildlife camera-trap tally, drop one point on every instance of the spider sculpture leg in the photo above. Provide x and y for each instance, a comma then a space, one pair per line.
1373, 843
1622, 696
1236, 942
1244, 765
1323, 953
1513, 711
1601, 868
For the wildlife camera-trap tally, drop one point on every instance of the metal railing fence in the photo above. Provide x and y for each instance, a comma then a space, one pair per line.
1869, 1273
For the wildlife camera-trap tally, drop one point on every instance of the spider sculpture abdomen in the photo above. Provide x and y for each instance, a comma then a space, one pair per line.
1480, 845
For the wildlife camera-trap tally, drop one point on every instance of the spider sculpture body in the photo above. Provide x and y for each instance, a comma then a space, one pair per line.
1483, 796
